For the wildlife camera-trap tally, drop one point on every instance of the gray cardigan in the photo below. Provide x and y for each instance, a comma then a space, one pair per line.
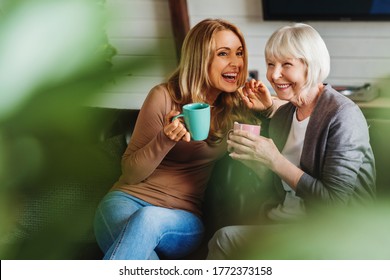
337, 157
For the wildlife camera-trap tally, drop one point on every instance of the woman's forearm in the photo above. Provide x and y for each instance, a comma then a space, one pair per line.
287, 171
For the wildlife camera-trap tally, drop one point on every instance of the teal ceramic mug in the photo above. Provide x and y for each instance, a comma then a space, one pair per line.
197, 120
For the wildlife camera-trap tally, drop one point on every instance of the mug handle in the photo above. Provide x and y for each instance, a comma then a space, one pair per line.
231, 150
229, 132
178, 116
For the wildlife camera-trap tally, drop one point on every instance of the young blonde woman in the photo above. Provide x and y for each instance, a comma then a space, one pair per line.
154, 210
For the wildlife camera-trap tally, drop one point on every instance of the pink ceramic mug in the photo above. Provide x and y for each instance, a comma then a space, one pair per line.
252, 128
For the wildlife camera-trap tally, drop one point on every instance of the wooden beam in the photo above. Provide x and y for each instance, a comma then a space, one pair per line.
180, 22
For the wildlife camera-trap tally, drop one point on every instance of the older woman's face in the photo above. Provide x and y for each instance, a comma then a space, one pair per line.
287, 77
227, 62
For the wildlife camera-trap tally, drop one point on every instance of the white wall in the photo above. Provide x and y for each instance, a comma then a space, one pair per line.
360, 51
139, 30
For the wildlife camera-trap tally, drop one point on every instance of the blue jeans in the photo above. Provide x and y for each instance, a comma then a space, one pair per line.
128, 228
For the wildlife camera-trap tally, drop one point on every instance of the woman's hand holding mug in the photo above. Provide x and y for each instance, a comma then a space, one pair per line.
175, 130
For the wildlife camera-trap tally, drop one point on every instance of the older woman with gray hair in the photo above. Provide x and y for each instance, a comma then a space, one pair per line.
318, 152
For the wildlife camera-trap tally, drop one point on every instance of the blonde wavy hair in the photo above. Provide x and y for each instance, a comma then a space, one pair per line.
191, 80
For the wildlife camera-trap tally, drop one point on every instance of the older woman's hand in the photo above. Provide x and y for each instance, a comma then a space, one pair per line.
257, 151
256, 95
248, 148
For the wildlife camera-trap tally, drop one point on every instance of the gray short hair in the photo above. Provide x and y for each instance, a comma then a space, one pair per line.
301, 41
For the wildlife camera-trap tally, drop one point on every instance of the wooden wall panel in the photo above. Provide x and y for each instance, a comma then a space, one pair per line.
142, 28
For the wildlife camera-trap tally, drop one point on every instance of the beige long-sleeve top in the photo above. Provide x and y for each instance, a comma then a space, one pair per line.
161, 171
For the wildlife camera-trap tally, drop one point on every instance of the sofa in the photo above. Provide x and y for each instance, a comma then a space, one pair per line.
55, 212
54, 217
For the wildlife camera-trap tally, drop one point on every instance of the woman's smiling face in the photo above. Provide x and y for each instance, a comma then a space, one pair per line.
227, 62
287, 77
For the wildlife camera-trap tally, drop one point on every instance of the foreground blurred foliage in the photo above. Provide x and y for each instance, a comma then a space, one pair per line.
339, 234
55, 58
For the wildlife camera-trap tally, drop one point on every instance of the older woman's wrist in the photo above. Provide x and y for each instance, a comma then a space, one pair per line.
268, 111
